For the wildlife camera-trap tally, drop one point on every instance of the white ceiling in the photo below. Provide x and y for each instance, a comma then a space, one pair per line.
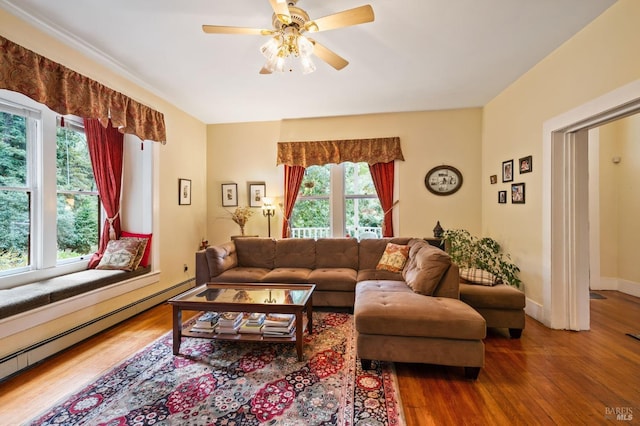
417, 54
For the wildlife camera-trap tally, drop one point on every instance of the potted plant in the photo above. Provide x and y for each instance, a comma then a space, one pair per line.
468, 251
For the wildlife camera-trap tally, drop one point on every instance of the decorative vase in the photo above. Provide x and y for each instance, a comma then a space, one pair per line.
437, 231
242, 230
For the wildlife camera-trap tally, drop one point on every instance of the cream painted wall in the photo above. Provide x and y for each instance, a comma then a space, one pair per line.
177, 229
609, 199
240, 153
629, 226
619, 204
600, 58
247, 152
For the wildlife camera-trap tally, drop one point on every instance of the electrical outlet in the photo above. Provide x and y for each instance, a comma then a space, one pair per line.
186, 268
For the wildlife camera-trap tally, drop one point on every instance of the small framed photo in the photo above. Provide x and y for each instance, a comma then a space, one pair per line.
524, 164
184, 192
229, 195
517, 193
502, 197
507, 171
493, 179
257, 192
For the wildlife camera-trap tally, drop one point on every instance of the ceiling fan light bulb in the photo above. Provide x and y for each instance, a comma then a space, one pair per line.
270, 48
270, 65
305, 47
279, 66
307, 65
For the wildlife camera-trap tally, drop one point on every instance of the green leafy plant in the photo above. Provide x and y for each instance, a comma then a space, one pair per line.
468, 251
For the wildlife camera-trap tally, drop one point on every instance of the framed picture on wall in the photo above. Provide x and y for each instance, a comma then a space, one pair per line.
229, 195
517, 193
493, 179
184, 192
507, 171
524, 164
502, 197
257, 192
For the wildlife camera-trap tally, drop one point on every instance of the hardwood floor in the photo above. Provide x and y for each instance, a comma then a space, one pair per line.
546, 377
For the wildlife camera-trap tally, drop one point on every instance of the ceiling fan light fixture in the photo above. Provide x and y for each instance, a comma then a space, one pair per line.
305, 47
270, 48
280, 64
307, 65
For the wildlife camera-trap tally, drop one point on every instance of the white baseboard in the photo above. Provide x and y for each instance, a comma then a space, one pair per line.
534, 310
13, 363
624, 286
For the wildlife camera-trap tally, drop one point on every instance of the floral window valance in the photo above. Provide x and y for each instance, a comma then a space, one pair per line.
317, 153
68, 92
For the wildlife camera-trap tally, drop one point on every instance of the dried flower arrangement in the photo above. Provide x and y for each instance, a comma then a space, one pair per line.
240, 216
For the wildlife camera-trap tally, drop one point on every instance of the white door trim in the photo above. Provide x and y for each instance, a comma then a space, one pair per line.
565, 204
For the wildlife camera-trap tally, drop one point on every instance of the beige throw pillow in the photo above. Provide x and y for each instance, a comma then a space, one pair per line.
478, 276
393, 258
142, 246
425, 268
119, 254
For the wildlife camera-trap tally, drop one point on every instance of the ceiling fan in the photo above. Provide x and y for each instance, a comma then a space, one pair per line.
287, 41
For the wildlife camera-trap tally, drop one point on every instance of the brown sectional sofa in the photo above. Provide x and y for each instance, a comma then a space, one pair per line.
393, 322
501, 305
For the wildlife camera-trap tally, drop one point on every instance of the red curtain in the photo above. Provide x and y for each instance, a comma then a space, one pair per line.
293, 176
105, 148
382, 175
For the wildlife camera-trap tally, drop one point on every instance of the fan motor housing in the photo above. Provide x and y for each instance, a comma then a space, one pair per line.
298, 18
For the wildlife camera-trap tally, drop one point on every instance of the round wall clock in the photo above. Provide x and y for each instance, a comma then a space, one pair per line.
443, 180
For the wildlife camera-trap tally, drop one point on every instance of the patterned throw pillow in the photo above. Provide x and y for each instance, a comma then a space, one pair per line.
120, 254
478, 276
145, 261
393, 258
141, 250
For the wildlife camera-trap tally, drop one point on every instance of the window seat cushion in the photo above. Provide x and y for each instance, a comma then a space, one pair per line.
34, 295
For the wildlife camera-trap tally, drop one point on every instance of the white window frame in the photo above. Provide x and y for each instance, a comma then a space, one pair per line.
42, 182
337, 198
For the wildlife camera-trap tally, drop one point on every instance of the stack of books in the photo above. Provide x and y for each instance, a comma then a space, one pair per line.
206, 323
253, 323
229, 322
279, 325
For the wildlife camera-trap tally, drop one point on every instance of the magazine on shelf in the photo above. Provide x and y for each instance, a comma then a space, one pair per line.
256, 318
203, 329
279, 320
230, 319
272, 333
249, 328
208, 319
284, 328
229, 329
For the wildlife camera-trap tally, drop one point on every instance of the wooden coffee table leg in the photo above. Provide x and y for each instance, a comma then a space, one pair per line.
299, 333
177, 329
310, 317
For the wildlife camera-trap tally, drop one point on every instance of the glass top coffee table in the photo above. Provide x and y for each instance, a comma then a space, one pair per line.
269, 298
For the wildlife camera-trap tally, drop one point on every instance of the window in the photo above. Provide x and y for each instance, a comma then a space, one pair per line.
78, 206
337, 200
17, 134
43, 165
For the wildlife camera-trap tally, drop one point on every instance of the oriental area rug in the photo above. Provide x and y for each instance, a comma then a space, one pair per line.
214, 382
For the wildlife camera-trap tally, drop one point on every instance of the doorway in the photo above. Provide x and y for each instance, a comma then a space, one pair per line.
565, 224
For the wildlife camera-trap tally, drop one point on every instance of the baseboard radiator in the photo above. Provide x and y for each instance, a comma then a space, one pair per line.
14, 363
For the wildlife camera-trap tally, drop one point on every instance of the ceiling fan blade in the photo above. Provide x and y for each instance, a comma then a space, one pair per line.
355, 16
220, 29
281, 10
329, 56
265, 71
